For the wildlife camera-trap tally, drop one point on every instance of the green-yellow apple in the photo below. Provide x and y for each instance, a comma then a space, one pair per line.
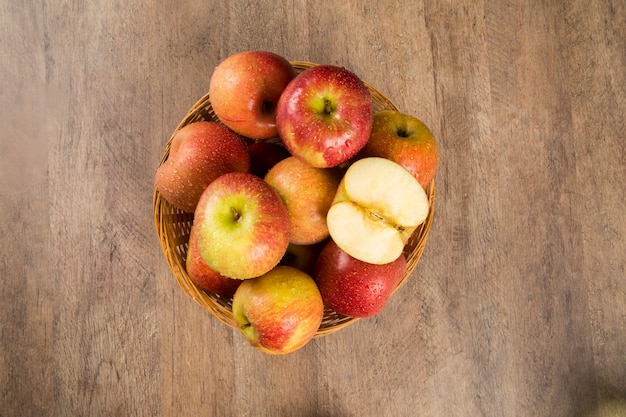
355, 288
244, 89
377, 206
241, 225
199, 153
203, 276
280, 311
405, 140
264, 155
324, 115
308, 193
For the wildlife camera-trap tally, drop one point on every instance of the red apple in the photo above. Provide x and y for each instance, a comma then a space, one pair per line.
242, 226
308, 193
264, 155
203, 276
324, 116
244, 89
280, 311
199, 153
355, 288
406, 140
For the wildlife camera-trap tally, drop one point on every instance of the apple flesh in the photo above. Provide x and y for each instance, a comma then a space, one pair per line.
199, 153
355, 288
203, 276
406, 140
324, 115
308, 193
264, 155
280, 311
377, 206
242, 226
244, 89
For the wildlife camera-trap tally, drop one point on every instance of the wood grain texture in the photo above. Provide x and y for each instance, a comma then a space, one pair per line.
517, 308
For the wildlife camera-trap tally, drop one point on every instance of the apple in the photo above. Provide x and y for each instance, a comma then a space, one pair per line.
199, 153
203, 276
377, 206
241, 226
244, 89
406, 140
308, 193
324, 116
355, 288
280, 311
302, 257
264, 155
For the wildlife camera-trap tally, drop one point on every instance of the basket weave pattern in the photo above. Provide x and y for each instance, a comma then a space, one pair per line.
173, 227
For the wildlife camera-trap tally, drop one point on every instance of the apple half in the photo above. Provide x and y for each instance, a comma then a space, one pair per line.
376, 208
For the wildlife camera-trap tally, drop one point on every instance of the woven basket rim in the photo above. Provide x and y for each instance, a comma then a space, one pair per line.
173, 225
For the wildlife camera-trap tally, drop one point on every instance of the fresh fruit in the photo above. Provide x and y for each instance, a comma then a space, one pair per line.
280, 311
242, 226
320, 221
264, 155
244, 89
302, 257
377, 206
406, 140
203, 276
324, 115
355, 288
199, 153
308, 193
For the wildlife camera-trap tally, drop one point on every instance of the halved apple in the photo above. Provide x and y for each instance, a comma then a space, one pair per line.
377, 206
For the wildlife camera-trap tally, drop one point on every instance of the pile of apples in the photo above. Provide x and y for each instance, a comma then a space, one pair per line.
303, 196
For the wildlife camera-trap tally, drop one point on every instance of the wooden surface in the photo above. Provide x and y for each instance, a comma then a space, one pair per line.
517, 308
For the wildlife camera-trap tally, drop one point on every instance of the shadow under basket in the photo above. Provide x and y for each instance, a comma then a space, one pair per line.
174, 225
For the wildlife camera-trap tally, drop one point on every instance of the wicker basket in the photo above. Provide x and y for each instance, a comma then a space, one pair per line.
173, 227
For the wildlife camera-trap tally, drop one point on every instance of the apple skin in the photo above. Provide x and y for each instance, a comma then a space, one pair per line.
242, 226
355, 288
199, 153
264, 155
308, 193
324, 115
280, 311
203, 276
244, 89
406, 140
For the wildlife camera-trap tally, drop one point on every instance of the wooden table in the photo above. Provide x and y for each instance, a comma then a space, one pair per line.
517, 307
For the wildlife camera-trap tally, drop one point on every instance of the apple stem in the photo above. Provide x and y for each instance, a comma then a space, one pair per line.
235, 213
328, 106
